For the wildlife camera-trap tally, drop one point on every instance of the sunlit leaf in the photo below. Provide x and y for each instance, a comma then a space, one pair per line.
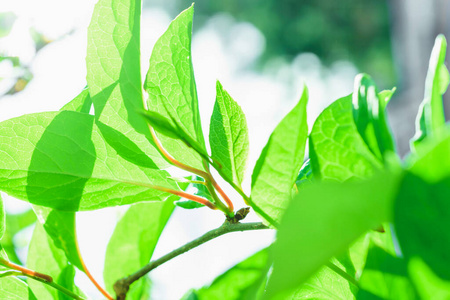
60, 160
114, 76
12, 288
134, 239
45, 257
228, 136
337, 150
171, 87
431, 119
370, 117
279, 163
81, 103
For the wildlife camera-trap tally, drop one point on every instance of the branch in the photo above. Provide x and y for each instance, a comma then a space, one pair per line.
122, 286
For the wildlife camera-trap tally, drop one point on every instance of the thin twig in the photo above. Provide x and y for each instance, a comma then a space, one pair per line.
46, 279
342, 273
122, 286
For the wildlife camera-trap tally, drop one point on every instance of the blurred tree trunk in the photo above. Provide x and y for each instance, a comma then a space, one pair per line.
415, 25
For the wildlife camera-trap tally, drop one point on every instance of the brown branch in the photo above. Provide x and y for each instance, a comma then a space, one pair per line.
122, 286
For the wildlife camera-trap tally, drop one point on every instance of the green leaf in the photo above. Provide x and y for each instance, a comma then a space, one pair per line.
60, 226
279, 163
370, 117
428, 285
228, 136
162, 125
134, 240
81, 103
60, 160
385, 277
171, 87
325, 284
431, 118
337, 150
12, 288
45, 257
322, 221
2, 219
114, 76
422, 219
242, 281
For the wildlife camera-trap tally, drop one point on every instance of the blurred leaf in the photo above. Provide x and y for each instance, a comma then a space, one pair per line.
114, 78
45, 257
431, 118
2, 219
171, 87
228, 136
12, 288
242, 281
279, 163
134, 239
322, 221
7, 20
422, 219
370, 117
428, 285
81, 103
385, 277
337, 150
60, 160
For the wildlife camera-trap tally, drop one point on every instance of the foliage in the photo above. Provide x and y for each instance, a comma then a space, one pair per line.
337, 215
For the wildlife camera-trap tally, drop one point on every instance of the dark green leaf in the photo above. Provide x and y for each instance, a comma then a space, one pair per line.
228, 136
322, 221
243, 281
134, 239
161, 124
279, 163
60, 160
171, 87
431, 119
370, 117
422, 220
336, 148
305, 176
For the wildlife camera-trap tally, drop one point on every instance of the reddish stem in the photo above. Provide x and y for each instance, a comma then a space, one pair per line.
25, 270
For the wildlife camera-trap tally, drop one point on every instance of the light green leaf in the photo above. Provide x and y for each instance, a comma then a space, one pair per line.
134, 239
324, 285
12, 288
305, 176
337, 150
422, 219
322, 221
370, 116
2, 219
431, 119
114, 76
385, 277
228, 136
45, 257
60, 227
171, 87
243, 281
279, 163
81, 103
60, 160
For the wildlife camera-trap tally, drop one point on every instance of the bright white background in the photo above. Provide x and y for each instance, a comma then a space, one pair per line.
223, 49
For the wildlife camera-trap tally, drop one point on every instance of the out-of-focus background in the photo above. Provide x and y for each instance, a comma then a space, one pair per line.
262, 52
